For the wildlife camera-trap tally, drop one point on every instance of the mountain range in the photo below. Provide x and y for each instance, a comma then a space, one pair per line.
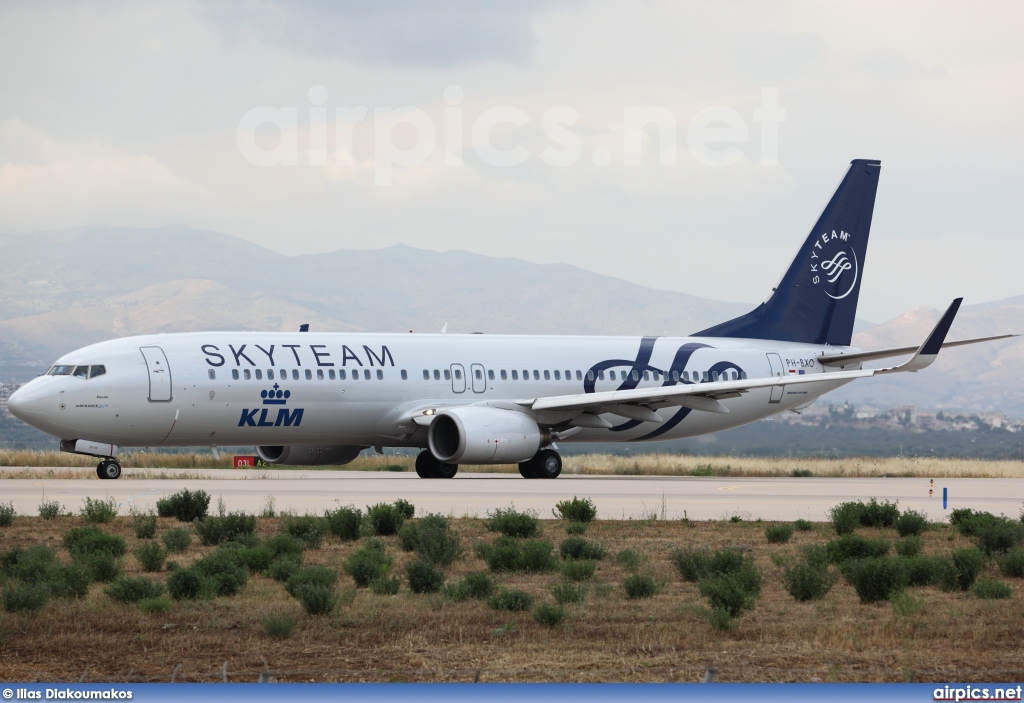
63, 290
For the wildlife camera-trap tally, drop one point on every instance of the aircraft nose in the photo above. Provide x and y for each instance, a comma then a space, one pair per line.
23, 404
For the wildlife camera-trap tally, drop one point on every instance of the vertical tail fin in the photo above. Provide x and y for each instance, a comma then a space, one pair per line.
816, 302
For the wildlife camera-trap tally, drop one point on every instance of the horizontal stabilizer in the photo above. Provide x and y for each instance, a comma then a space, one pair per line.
842, 360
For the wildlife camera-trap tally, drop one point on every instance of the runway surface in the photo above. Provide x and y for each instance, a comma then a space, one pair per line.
616, 497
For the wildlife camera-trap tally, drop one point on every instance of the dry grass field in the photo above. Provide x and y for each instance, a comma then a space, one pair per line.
66, 465
934, 636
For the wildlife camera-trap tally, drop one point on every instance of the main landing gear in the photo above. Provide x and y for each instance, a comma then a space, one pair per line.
429, 467
109, 468
545, 464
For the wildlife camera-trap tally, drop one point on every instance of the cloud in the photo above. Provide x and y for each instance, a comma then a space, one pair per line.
445, 33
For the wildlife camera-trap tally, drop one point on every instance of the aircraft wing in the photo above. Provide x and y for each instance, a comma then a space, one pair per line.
636, 403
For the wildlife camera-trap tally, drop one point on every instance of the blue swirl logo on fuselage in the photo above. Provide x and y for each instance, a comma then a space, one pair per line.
672, 376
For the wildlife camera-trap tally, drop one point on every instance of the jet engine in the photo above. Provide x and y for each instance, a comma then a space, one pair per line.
482, 435
305, 455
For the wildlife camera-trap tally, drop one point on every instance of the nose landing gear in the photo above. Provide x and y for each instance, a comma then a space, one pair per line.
108, 469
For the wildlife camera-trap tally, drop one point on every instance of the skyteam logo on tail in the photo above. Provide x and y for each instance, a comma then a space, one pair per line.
285, 417
834, 264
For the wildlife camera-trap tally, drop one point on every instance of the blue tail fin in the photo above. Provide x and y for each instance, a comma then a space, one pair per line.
816, 302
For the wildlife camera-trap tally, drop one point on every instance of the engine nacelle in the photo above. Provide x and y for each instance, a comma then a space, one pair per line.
482, 435
305, 455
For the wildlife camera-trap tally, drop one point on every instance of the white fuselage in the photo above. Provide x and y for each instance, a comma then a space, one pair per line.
211, 388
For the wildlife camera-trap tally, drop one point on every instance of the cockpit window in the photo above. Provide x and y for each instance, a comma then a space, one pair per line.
97, 370
61, 370
81, 372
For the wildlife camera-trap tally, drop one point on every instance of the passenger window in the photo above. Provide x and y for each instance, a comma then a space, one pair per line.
81, 372
426, 375
234, 374
366, 374
342, 374
490, 374
479, 374
568, 375
295, 374
536, 375
704, 376
635, 374
515, 375
246, 374
458, 374
212, 373
647, 375
100, 370
437, 375
447, 375
504, 375
309, 375
675, 375
558, 375
319, 374
405, 376
590, 375
380, 375
259, 374
270, 374
579, 375
611, 375
656, 375
355, 374
600, 375
526, 375
743, 375
330, 374
547, 375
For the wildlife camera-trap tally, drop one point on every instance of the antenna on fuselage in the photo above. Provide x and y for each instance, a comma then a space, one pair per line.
304, 327
444, 329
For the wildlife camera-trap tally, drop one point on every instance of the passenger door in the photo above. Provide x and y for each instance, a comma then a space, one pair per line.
775, 361
159, 374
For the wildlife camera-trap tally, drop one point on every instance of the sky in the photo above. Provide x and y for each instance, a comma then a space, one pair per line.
684, 146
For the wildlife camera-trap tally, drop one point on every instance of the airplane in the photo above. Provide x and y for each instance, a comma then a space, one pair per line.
311, 398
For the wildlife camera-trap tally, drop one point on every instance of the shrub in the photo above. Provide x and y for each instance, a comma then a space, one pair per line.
32, 564
423, 577
151, 556
128, 589
967, 522
511, 600
177, 540
778, 534
998, 536
733, 592
904, 604
7, 515
478, 585
875, 514
990, 589
186, 584
580, 510
511, 523
579, 548
216, 529
367, 564
408, 537
845, 517
565, 592
720, 619
849, 547
802, 525
49, 509
256, 560
320, 576
875, 578
99, 511
29, 597
629, 559
1012, 564
924, 570
909, 546
964, 569
549, 615
185, 505
910, 523
223, 571
691, 564
101, 566
344, 523
639, 586
154, 605
70, 581
282, 568
316, 600
308, 528
581, 570
405, 508
384, 519
575, 528
89, 540
144, 525
434, 541
278, 626
536, 556
386, 586
285, 544
806, 581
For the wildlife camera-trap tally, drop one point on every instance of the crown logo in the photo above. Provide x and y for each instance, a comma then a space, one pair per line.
275, 396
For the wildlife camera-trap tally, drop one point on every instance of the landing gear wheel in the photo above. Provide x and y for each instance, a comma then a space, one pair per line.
108, 469
547, 464
526, 469
429, 467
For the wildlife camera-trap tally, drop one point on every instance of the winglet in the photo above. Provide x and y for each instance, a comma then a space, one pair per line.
928, 351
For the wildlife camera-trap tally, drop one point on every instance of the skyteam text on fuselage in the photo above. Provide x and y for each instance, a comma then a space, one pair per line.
308, 398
